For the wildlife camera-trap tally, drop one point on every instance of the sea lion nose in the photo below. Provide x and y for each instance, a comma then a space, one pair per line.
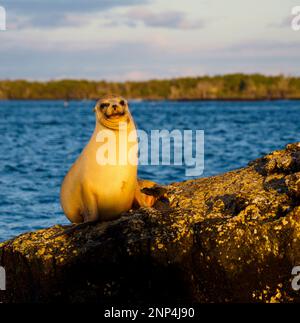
115, 107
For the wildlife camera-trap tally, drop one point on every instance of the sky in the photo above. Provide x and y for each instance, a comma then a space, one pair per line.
122, 40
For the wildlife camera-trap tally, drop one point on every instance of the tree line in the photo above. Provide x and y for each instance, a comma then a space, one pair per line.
223, 87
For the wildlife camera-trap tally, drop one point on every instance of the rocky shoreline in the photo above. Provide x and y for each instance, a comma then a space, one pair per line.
228, 238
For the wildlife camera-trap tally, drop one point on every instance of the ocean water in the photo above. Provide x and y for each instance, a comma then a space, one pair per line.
41, 139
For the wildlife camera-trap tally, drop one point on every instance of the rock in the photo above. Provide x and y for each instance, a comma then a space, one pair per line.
229, 238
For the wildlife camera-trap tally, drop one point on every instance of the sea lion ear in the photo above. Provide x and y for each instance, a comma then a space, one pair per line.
95, 109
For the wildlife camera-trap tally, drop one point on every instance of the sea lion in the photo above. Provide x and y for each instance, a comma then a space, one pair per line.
93, 191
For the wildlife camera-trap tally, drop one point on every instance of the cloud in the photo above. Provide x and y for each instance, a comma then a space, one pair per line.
141, 60
54, 13
284, 23
266, 48
164, 19
63, 6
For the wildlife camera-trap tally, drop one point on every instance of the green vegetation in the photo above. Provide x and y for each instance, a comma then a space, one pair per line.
226, 87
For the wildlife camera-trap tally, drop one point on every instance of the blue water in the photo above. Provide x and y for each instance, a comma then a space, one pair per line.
40, 140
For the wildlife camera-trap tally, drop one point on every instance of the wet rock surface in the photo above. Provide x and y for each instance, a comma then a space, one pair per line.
229, 238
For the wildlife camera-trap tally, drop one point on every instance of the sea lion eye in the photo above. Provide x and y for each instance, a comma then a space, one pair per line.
122, 102
104, 105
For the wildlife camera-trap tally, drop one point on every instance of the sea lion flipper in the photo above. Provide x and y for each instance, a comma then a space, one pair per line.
147, 193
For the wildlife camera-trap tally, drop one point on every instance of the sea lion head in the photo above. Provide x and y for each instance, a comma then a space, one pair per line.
111, 111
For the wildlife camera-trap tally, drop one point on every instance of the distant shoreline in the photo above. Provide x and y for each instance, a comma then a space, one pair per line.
232, 87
